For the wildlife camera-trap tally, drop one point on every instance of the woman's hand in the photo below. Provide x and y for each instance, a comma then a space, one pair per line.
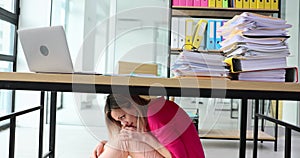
98, 149
129, 133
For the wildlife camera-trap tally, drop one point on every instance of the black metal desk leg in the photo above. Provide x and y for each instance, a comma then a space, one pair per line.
287, 150
52, 123
41, 130
12, 137
276, 126
243, 128
255, 134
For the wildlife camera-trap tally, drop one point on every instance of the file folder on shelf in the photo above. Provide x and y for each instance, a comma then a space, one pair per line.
225, 3
274, 4
267, 4
212, 3
246, 3
197, 3
260, 4
182, 2
253, 4
189, 2
210, 35
181, 33
189, 27
175, 2
204, 3
219, 3
238, 4
199, 33
175, 33
231, 3
218, 39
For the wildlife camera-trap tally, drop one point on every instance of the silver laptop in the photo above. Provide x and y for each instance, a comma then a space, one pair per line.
46, 50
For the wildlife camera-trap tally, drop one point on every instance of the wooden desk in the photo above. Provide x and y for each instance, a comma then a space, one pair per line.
190, 87
185, 87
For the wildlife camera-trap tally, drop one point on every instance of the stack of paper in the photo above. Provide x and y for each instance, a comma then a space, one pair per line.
199, 64
256, 42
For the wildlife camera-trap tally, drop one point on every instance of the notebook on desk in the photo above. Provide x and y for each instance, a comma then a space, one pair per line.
46, 50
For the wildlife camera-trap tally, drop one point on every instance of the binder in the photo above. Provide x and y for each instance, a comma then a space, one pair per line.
231, 3
238, 3
175, 2
182, 3
189, 2
210, 35
189, 27
218, 39
197, 3
260, 4
246, 3
219, 3
204, 3
212, 3
181, 33
175, 33
253, 4
274, 4
267, 4
199, 33
225, 3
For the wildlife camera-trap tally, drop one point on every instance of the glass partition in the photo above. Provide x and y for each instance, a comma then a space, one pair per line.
8, 5
7, 45
7, 31
5, 95
102, 33
142, 32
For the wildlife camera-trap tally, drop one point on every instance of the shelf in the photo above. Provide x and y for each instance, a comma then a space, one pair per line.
205, 12
233, 135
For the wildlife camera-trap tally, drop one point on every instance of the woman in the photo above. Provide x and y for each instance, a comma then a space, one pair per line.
134, 118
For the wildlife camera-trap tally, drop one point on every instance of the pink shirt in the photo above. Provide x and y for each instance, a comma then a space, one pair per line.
174, 129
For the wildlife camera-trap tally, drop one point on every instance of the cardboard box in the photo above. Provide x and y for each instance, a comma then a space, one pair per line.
137, 68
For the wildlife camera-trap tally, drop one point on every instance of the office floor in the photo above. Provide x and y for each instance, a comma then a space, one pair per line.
79, 128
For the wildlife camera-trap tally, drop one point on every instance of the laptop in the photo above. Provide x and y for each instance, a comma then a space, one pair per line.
46, 50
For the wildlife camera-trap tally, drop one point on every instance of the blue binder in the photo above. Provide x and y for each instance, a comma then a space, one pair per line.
210, 35
218, 39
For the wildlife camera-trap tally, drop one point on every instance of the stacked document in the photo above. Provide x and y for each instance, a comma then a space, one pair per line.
200, 64
256, 47
287, 74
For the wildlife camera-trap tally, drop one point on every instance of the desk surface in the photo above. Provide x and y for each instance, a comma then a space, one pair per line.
192, 86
